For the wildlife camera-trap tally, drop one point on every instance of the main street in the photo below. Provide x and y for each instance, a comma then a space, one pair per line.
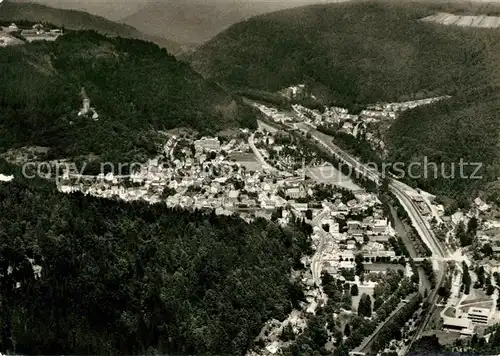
265, 166
316, 265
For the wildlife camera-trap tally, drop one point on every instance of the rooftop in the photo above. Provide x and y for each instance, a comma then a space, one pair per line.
479, 311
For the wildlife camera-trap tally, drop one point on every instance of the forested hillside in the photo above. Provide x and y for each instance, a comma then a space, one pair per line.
129, 278
446, 134
77, 20
135, 87
364, 53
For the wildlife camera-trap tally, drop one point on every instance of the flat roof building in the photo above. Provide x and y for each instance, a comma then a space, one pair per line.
462, 325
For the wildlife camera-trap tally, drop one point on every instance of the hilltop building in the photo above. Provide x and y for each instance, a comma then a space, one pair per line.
86, 109
38, 33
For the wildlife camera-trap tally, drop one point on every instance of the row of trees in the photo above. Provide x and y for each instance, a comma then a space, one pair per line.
395, 328
403, 214
364, 327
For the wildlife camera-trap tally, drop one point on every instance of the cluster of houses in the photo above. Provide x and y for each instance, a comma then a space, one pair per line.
466, 322
296, 92
368, 237
206, 179
348, 122
367, 122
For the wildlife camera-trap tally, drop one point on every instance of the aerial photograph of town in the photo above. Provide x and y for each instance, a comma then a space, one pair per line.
250, 177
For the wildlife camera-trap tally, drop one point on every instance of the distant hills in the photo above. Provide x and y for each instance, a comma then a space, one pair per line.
77, 20
136, 88
113, 10
364, 52
188, 22
197, 21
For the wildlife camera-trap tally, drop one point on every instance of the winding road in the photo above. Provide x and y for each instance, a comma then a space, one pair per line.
265, 166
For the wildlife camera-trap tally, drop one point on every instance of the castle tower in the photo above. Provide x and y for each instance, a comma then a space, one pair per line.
86, 102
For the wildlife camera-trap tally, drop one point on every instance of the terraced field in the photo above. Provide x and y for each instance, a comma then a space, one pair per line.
448, 19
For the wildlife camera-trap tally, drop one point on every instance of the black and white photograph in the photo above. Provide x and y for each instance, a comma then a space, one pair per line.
250, 177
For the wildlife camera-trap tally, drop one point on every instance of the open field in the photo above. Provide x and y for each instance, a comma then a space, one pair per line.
445, 337
328, 174
247, 160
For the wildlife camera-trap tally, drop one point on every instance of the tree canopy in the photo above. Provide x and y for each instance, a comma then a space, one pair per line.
130, 278
365, 305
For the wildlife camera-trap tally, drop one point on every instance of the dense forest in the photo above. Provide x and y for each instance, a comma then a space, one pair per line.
130, 278
443, 135
362, 52
379, 51
135, 87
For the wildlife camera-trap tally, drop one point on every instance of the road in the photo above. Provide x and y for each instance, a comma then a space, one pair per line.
326, 141
366, 346
316, 265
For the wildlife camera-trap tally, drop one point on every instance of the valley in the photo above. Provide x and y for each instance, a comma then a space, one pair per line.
250, 178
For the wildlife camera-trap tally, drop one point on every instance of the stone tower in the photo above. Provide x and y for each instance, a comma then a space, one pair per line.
86, 102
